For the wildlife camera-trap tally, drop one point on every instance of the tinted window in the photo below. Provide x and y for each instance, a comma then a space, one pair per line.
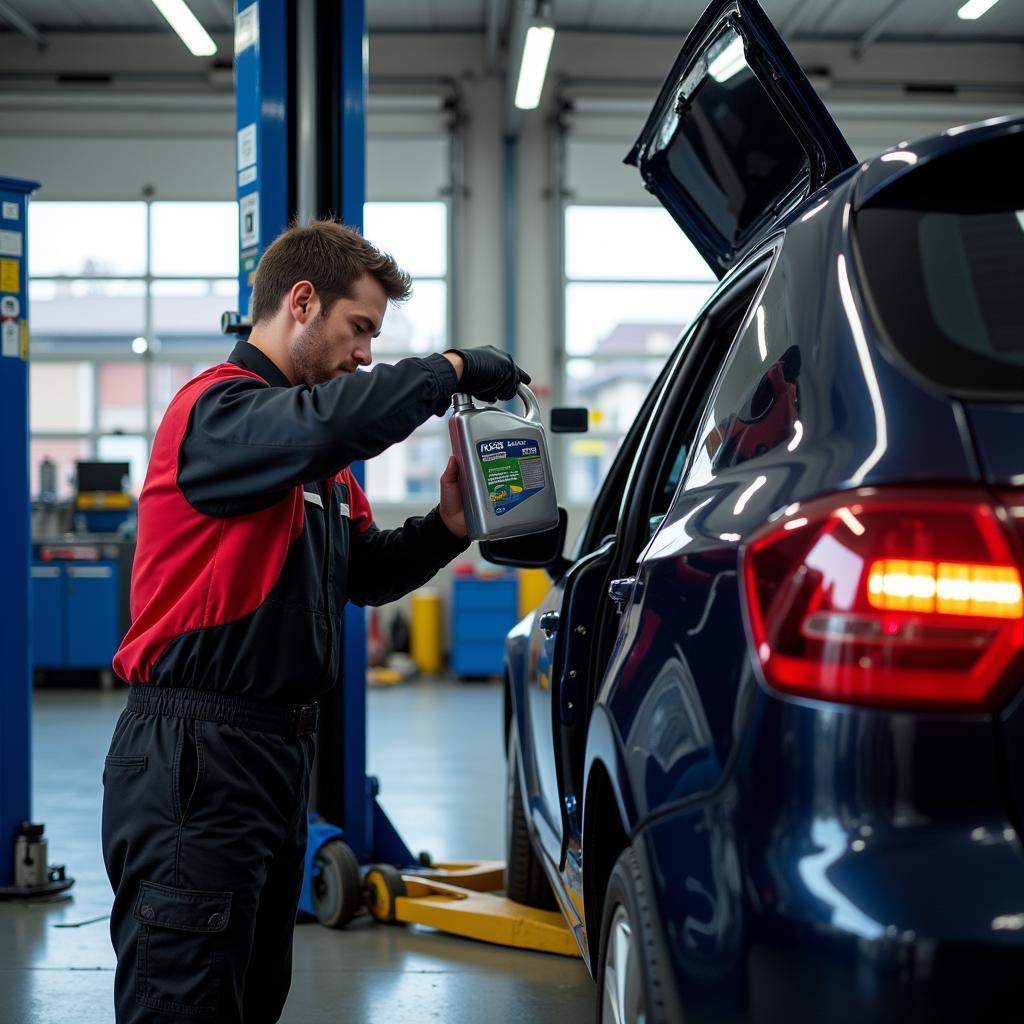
731, 148
756, 407
942, 252
691, 428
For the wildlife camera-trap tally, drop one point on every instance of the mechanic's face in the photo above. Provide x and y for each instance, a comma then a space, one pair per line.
338, 343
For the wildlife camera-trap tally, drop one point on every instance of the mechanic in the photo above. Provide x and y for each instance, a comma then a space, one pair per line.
253, 533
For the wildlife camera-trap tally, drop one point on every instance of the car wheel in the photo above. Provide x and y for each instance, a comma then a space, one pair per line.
628, 973
525, 881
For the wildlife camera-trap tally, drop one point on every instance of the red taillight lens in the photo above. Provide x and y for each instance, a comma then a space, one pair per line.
903, 598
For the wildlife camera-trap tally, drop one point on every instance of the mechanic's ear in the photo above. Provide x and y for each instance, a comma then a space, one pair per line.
302, 301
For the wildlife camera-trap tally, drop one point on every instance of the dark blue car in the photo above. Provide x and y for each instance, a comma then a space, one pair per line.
766, 732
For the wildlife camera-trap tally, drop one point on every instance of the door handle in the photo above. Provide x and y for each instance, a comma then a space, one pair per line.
549, 623
619, 590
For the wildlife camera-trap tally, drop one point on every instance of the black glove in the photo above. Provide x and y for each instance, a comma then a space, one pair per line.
489, 374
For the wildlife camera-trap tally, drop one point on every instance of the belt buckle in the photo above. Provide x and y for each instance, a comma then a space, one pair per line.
305, 719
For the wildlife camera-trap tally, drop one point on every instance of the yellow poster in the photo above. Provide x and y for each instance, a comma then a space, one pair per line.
9, 277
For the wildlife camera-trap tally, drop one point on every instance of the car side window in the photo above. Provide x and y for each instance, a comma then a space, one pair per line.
683, 442
755, 406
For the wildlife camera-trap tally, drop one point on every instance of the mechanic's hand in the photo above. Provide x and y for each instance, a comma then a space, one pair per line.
452, 514
489, 374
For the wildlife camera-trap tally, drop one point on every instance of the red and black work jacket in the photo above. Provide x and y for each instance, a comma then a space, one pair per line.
253, 533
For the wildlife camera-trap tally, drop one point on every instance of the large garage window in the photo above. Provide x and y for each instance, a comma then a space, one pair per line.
632, 284
126, 300
416, 234
125, 297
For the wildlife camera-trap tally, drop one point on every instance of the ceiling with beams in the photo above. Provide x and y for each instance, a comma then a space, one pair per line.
835, 19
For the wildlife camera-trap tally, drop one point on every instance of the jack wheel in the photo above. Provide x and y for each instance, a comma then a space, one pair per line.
383, 886
337, 890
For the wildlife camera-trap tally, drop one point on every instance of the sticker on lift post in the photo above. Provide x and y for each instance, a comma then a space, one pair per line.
513, 471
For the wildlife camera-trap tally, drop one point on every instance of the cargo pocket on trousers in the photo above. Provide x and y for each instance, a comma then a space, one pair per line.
124, 765
181, 949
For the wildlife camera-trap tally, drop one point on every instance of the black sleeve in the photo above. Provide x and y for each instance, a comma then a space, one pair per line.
249, 443
385, 565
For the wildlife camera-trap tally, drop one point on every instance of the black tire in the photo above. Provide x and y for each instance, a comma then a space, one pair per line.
525, 881
337, 888
627, 890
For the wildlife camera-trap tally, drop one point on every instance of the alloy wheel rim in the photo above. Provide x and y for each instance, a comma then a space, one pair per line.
622, 1001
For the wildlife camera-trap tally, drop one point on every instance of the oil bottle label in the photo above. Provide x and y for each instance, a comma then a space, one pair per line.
513, 470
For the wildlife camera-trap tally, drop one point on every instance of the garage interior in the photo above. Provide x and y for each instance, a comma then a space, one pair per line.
522, 228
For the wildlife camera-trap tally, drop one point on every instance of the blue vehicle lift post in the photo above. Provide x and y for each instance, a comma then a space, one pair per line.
27, 873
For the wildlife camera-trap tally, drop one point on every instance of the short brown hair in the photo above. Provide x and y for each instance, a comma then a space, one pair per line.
332, 257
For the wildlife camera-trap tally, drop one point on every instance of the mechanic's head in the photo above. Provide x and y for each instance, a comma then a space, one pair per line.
319, 298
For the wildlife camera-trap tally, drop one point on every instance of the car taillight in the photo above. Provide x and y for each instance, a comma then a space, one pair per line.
894, 598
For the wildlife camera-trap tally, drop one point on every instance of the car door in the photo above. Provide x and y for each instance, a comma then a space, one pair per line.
562, 637
737, 137
589, 624
648, 688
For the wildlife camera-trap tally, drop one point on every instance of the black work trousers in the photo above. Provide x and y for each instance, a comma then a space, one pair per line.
204, 837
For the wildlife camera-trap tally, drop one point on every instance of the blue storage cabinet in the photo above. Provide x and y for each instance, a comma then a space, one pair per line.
75, 613
91, 594
483, 611
47, 614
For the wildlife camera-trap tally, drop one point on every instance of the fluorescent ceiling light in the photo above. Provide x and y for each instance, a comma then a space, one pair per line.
974, 9
186, 24
534, 66
729, 62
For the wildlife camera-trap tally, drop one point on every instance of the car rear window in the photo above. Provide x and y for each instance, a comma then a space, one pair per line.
942, 255
725, 156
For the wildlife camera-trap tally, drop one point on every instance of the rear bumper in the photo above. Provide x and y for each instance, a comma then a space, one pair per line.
927, 926
856, 865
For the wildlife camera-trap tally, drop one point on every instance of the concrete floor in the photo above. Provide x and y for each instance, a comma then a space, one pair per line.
436, 749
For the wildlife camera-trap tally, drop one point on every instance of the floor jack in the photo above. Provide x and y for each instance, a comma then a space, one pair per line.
459, 898
462, 899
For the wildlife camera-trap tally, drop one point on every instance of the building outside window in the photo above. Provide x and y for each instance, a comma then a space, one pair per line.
633, 283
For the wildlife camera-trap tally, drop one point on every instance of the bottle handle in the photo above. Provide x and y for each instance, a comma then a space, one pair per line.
529, 399
461, 401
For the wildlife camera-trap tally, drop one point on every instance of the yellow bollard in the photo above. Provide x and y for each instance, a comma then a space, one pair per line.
425, 630
533, 587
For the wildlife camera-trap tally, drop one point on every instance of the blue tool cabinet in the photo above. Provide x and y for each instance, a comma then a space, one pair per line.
75, 613
483, 611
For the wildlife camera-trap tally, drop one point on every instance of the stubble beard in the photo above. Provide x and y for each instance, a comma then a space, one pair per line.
311, 355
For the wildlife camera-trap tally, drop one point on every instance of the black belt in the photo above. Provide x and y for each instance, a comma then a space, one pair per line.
209, 706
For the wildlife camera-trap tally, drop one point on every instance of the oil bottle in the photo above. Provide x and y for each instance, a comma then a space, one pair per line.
504, 468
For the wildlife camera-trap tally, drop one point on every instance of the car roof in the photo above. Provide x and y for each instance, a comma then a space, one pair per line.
878, 173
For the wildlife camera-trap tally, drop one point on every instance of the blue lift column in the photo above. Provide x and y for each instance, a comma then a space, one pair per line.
27, 873
301, 82
265, 192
